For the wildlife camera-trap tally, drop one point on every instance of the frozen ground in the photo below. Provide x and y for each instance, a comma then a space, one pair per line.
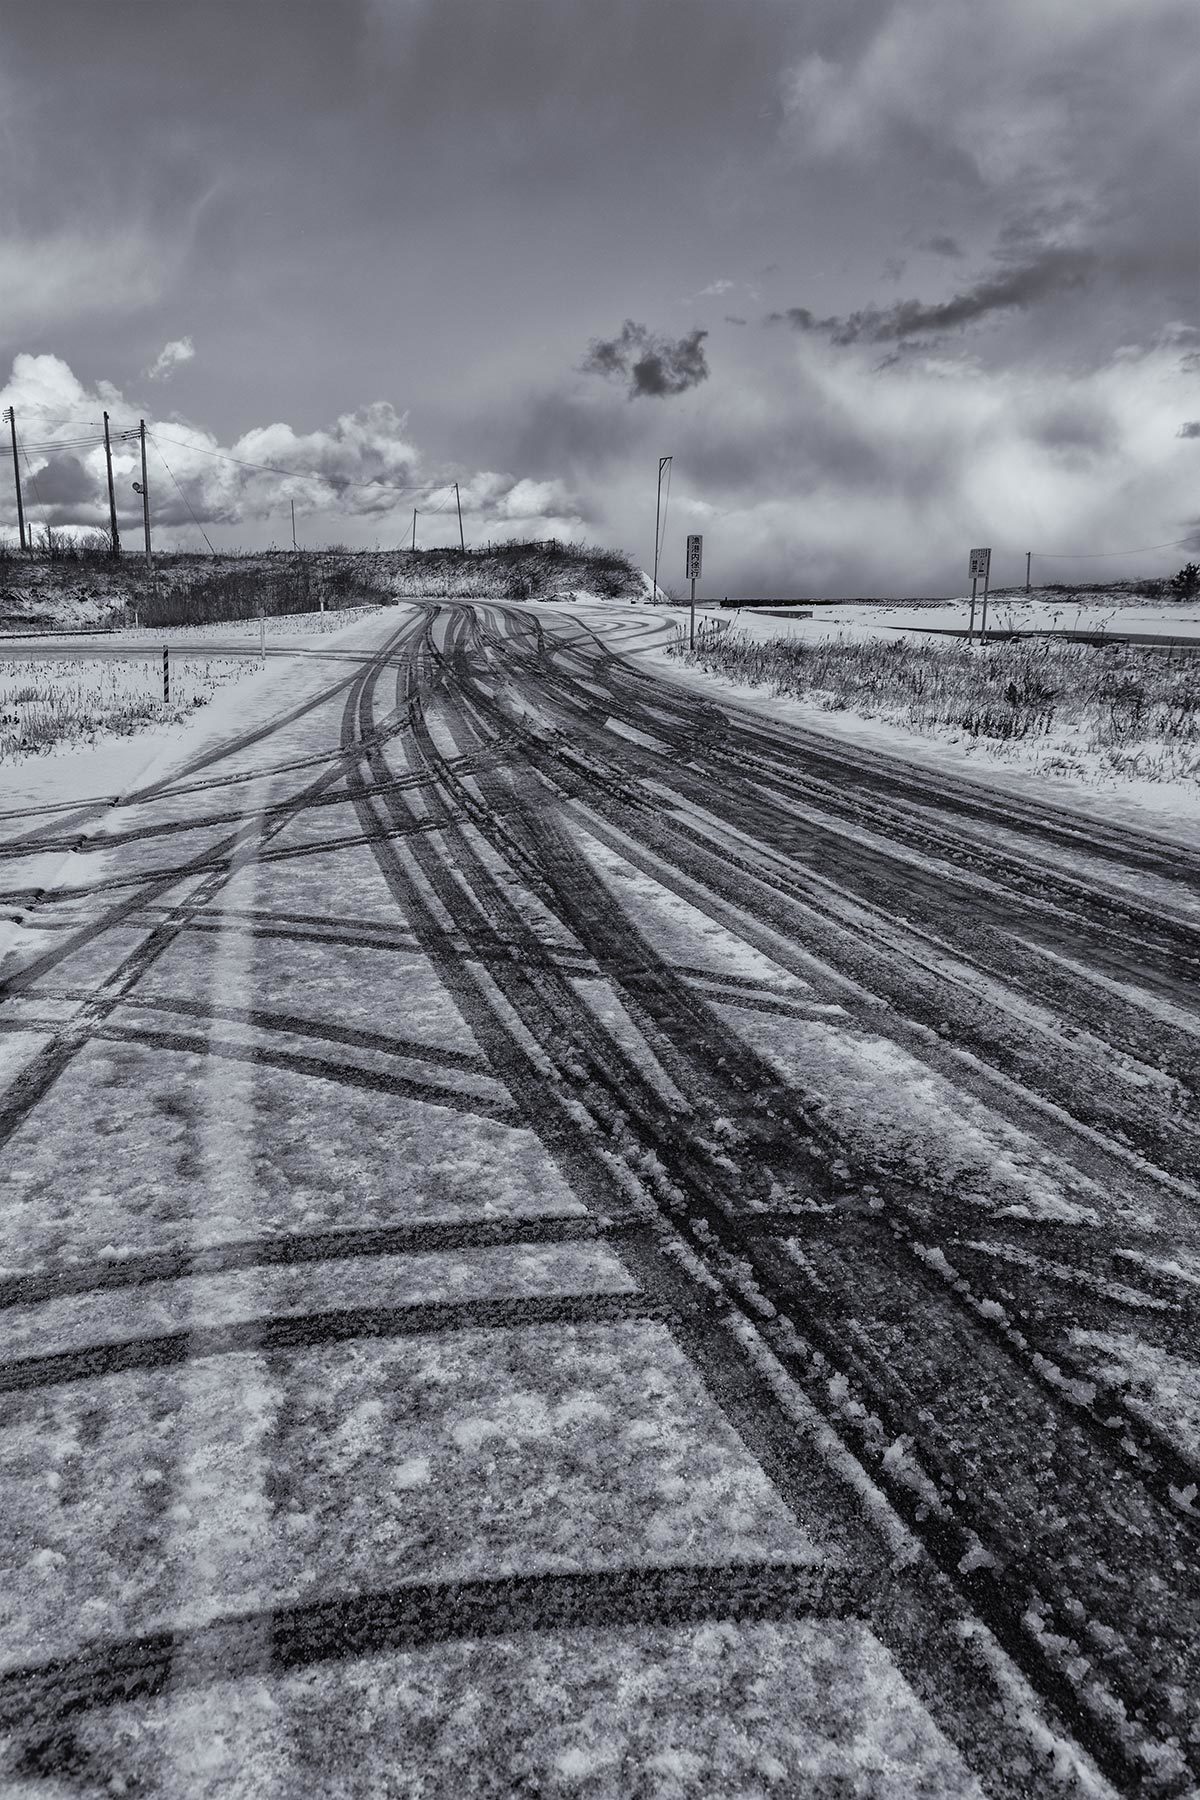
561, 1236
1103, 612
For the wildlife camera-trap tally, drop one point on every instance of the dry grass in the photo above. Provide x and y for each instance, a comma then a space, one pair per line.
1134, 710
72, 700
183, 589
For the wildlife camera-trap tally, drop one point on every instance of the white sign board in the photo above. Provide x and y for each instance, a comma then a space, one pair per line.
980, 564
695, 545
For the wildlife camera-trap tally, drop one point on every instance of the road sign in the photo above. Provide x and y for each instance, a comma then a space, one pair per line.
695, 545
981, 561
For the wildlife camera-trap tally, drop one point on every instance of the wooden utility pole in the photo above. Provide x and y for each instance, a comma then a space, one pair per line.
663, 463
145, 494
295, 545
12, 420
462, 542
112, 498
414, 527
1028, 560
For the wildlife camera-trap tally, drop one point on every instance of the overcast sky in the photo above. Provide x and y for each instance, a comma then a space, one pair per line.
888, 278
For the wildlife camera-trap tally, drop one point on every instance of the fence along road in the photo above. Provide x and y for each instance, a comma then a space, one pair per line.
551, 1225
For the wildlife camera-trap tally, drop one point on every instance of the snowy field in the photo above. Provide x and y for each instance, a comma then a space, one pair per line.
1100, 612
69, 700
1149, 785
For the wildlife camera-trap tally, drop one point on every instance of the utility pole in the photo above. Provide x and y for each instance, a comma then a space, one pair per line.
112, 498
1028, 560
414, 527
664, 462
12, 420
295, 545
145, 494
462, 542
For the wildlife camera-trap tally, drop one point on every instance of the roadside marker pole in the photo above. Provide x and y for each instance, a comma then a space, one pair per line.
980, 563
695, 549
166, 676
983, 626
1028, 560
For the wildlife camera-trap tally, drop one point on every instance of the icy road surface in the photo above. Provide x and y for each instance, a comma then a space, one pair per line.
558, 1238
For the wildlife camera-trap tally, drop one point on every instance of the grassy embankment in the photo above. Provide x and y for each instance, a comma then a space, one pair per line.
1121, 710
92, 589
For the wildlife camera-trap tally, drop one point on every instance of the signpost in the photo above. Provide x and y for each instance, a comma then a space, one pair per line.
980, 565
695, 547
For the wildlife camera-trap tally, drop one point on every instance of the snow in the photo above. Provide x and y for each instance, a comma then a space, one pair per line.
1163, 1388
157, 1307
548, 1448
1043, 769
161, 1498
898, 1113
203, 1151
858, 622
806, 1708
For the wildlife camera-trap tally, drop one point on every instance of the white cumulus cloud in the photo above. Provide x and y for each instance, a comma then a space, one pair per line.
364, 467
179, 350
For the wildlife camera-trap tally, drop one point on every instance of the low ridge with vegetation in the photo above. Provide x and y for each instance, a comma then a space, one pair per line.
81, 586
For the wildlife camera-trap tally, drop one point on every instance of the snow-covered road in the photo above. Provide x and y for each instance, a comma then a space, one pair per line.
557, 1237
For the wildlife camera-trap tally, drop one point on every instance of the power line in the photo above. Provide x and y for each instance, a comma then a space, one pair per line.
33, 483
66, 419
1083, 555
51, 446
170, 471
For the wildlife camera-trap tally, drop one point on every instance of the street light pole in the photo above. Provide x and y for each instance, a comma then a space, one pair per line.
664, 462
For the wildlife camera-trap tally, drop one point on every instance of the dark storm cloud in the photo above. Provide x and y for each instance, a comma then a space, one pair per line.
1075, 427
1055, 272
437, 200
654, 366
1189, 429
61, 482
940, 244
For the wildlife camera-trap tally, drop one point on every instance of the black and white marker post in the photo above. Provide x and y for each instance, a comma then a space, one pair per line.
695, 546
981, 561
